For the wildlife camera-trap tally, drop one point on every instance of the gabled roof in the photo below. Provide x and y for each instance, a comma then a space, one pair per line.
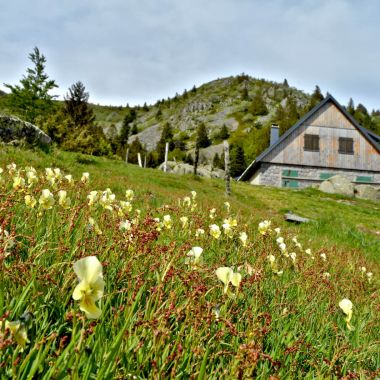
369, 135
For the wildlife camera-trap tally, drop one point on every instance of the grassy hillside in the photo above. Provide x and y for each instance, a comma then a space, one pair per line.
149, 308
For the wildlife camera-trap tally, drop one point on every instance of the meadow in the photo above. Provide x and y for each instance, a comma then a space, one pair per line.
110, 271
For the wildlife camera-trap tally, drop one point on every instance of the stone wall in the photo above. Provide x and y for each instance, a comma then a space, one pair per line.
15, 130
272, 175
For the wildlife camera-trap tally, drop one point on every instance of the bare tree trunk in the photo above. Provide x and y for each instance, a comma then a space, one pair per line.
126, 156
166, 157
145, 161
227, 167
139, 159
196, 158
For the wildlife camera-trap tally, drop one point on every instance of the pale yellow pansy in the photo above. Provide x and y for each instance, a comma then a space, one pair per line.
243, 238
46, 199
93, 197
227, 276
199, 232
91, 285
212, 213
94, 225
184, 221
18, 182
129, 194
215, 231
63, 200
227, 206
187, 201
125, 226
346, 305
194, 257
167, 222
18, 332
69, 179
30, 201
264, 227
85, 177
323, 256
126, 206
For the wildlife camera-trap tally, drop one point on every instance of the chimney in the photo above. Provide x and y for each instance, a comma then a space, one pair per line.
274, 133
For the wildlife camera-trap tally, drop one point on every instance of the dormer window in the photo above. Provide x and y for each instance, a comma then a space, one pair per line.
311, 143
346, 145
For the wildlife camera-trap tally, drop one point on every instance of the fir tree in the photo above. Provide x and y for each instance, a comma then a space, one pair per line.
237, 160
351, 107
31, 98
224, 133
258, 106
166, 137
202, 138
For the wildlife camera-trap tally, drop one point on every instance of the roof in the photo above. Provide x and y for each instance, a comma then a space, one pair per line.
369, 135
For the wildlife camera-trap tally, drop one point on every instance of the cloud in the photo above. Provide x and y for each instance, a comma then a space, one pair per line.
135, 51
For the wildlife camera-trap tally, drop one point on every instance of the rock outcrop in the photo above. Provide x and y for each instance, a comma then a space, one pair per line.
341, 185
182, 168
14, 131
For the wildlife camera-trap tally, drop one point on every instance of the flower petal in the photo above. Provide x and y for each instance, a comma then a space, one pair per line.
88, 269
88, 306
224, 274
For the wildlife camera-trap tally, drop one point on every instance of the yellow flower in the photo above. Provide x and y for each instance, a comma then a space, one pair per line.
193, 194
277, 231
30, 201
125, 226
18, 183
264, 227
92, 197
199, 232
227, 228
212, 213
323, 256
129, 194
107, 199
57, 173
12, 168
215, 231
184, 221
167, 222
227, 206
69, 179
369, 276
187, 201
227, 276
31, 175
126, 206
95, 226
243, 238
194, 257
63, 200
91, 285
18, 332
46, 200
85, 177
346, 306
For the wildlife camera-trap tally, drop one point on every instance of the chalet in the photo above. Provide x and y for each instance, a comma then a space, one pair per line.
325, 142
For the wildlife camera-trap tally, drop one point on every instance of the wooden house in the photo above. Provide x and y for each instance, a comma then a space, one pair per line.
325, 142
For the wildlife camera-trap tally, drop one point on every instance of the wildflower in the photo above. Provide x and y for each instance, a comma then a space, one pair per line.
369, 276
93, 197
30, 201
184, 220
187, 201
193, 194
215, 231
129, 194
227, 228
363, 270
282, 247
12, 168
18, 332
50, 176
280, 240
326, 275
94, 225
31, 176
125, 226
69, 179
18, 182
272, 262
158, 224
167, 222
63, 200
264, 227
46, 200
346, 305
85, 177
227, 206
277, 231
217, 312
212, 213
199, 232
323, 256
126, 206
7, 241
91, 285
194, 257
243, 238
57, 173
293, 256
308, 251
227, 276
107, 199
295, 241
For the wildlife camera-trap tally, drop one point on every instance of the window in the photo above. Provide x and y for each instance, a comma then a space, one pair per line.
311, 143
293, 184
346, 145
325, 176
364, 179
290, 173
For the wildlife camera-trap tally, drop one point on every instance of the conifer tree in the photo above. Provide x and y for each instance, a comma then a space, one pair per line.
237, 160
351, 107
166, 137
31, 98
258, 106
202, 138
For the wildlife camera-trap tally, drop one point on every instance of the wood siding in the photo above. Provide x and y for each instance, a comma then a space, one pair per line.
329, 123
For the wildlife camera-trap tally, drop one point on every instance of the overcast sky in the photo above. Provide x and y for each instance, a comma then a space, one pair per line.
132, 51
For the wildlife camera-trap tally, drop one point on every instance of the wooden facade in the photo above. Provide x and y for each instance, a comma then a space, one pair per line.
325, 142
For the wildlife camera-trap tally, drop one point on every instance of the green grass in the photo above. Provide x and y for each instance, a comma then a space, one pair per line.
158, 314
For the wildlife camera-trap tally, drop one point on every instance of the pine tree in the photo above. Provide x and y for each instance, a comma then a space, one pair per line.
224, 133
202, 138
166, 137
285, 83
237, 160
31, 99
258, 106
351, 107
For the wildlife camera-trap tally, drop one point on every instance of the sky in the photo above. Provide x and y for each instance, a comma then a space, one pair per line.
136, 51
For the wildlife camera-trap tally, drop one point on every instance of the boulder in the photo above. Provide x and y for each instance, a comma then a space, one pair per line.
367, 192
14, 130
337, 185
182, 168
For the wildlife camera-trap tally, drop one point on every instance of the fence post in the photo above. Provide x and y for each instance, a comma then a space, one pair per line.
166, 157
227, 167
